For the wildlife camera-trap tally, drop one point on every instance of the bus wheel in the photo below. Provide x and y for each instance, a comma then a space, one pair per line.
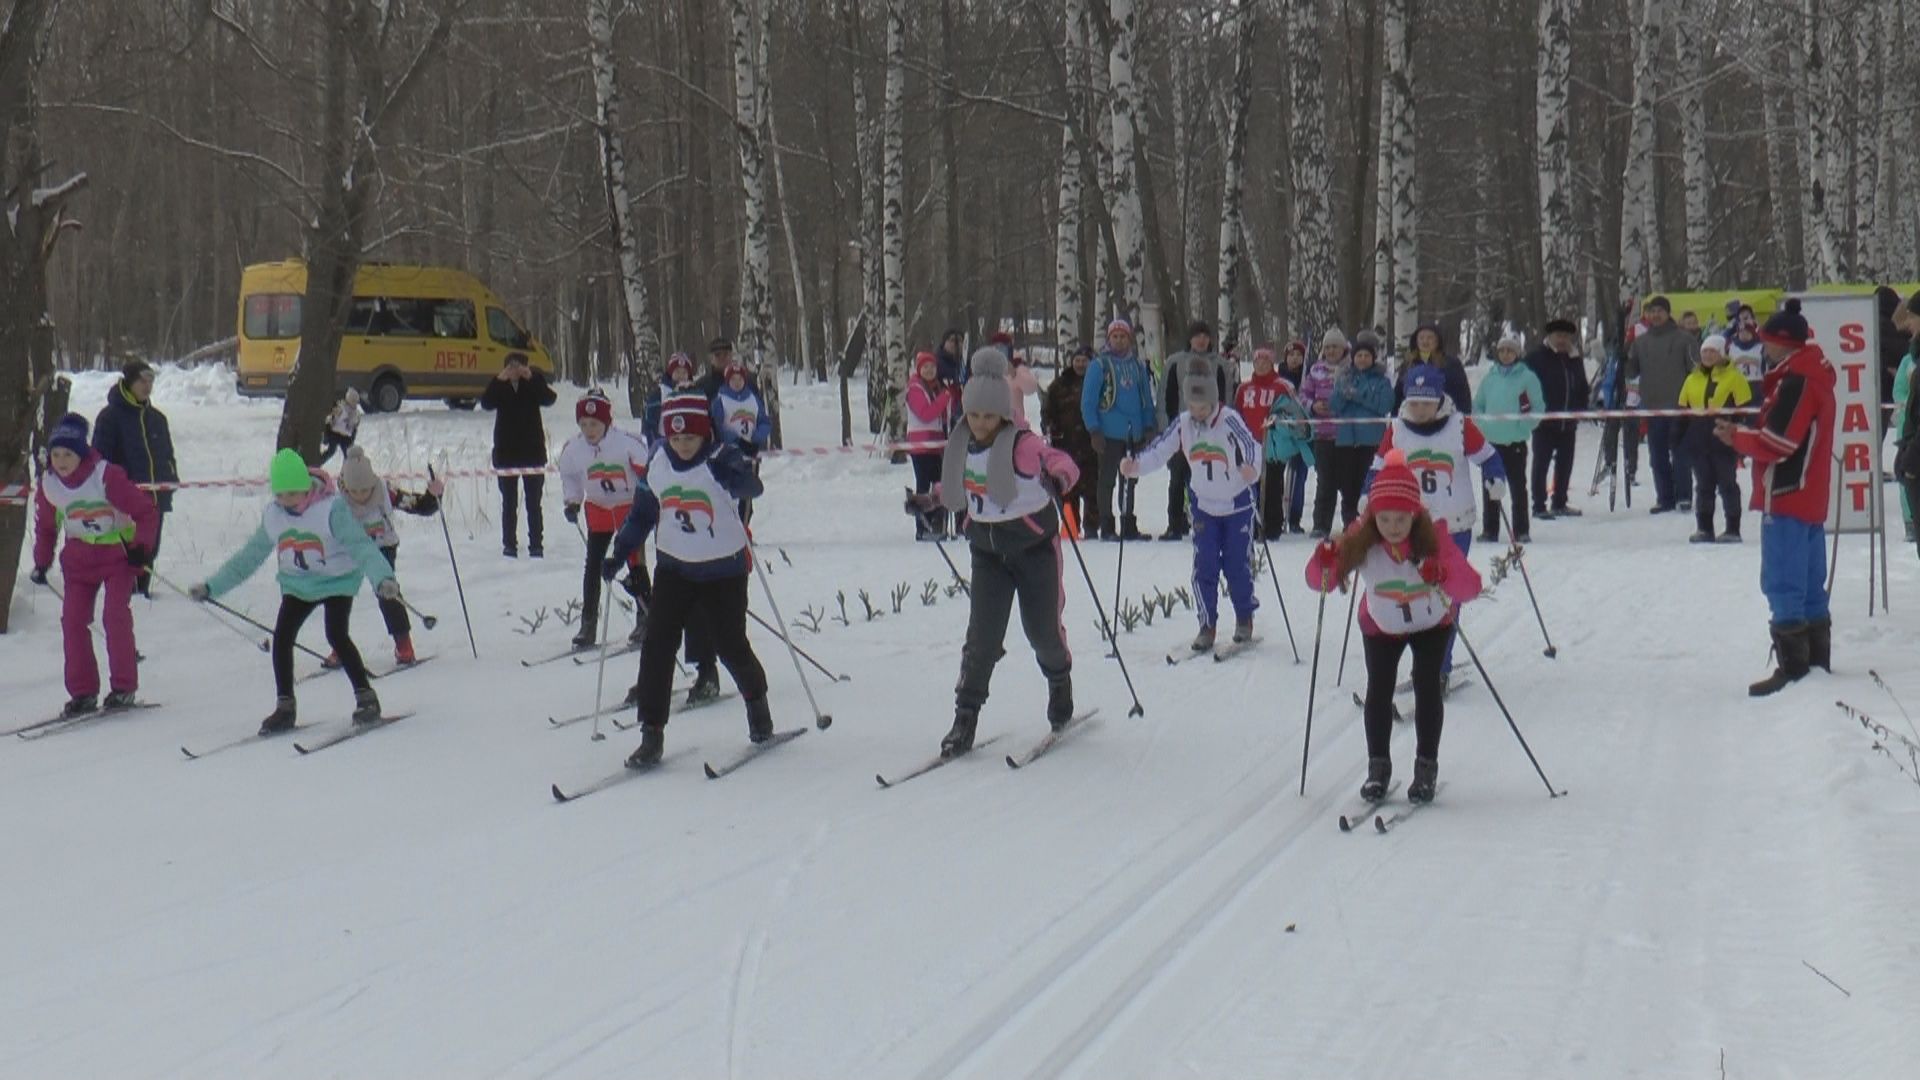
386, 394
464, 404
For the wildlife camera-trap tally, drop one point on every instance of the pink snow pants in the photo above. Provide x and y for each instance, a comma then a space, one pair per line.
88, 569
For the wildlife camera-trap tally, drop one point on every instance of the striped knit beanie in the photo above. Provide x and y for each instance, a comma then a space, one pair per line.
686, 414
1394, 487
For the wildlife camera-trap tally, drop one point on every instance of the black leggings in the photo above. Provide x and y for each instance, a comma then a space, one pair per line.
293, 615
637, 584
718, 609
393, 611
1383, 668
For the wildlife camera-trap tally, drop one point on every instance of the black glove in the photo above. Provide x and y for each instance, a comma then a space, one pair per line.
610, 567
138, 557
571, 513
39, 575
922, 503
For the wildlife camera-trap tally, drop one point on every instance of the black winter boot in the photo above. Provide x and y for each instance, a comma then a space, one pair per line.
1426, 777
1820, 645
1059, 701
1130, 528
1379, 771
759, 720
1791, 648
281, 719
959, 738
80, 705
653, 743
706, 685
366, 706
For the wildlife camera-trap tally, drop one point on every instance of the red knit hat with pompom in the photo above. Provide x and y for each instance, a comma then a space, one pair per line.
1394, 487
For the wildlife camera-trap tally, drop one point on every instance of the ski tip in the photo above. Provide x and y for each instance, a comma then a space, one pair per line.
1346, 823
711, 775
558, 795
881, 780
191, 756
1011, 763
303, 749
1379, 823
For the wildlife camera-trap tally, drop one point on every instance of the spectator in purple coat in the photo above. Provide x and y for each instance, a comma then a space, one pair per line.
1317, 394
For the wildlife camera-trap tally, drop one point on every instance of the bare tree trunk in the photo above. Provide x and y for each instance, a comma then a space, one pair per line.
957, 305
1232, 181
1636, 206
889, 370
1406, 207
1128, 216
867, 173
1782, 197
1697, 171
1189, 105
756, 263
1069, 291
36, 219
1899, 194
1553, 161
1869, 264
1313, 278
1817, 198
643, 370
1107, 283
1383, 214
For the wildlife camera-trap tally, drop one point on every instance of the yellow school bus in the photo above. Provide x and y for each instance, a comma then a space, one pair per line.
412, 332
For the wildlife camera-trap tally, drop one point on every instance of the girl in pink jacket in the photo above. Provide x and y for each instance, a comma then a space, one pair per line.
931, 405
1413, 574
109, 525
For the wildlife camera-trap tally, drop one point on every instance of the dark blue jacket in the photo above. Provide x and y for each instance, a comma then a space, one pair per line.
735, 473
136, 438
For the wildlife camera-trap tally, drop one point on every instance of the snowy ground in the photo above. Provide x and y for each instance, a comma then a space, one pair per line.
1154, 900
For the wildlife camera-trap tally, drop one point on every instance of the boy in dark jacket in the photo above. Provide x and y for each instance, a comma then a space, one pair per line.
515, 397
131, 433
1563, 385
1066, 428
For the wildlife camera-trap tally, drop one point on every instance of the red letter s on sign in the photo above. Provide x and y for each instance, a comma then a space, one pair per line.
1853, 338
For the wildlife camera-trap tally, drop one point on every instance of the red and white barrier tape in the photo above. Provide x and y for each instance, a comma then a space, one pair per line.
20, 493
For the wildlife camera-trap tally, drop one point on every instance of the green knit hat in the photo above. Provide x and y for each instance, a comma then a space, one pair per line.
287, 473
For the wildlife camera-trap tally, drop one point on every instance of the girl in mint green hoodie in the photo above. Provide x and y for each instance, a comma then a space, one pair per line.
1509, 388
322, 553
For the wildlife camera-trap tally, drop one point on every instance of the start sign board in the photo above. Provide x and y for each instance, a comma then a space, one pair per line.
1847, 329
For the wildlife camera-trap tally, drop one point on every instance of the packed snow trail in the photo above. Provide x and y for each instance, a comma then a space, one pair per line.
1154, 901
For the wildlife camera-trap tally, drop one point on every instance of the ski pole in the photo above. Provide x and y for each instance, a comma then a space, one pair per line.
1504, 711
1313, 684
457, 587
1519, 557
821, 720
242, 616
600, 680
804, 655
1353, 601
1122, 502
927, 524
426, 620
98, 631
1260, 517
1138, 709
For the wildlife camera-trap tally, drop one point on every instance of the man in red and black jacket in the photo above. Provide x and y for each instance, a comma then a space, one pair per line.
1791, 444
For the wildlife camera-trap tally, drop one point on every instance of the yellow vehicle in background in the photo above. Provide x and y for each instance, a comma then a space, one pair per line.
412, 332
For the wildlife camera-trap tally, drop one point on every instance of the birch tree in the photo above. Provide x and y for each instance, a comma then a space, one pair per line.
1069, 291
1124, 192
1312, 275
643, 371
1383, 216
1232, 183
1696, 171
889, 371
1818, 200
1189, 105
1896, 184
1406, 208
1636, 201
756, 262
1864, 134
1788, 236
1553, 157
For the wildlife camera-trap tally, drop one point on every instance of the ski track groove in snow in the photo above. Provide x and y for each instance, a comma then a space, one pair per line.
753, 946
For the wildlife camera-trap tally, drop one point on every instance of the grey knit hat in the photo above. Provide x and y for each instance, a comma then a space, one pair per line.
1333, 336
987, 391
357, 474
1201, 389
988, 360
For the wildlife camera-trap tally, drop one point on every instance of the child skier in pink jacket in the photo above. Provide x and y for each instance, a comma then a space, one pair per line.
109, 525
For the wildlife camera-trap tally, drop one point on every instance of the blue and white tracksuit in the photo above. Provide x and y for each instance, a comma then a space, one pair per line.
1221, 504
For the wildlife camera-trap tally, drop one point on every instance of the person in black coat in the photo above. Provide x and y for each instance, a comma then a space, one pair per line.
1894, 341
131, 433
1563, 382
515, 398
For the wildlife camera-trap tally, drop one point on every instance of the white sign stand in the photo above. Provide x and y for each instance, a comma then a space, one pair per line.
1847, 329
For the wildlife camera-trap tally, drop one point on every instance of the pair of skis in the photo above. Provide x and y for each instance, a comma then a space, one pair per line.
739, 760
334, 738
40, 729
1383, 822
680, 705
1014, 761
1220, 654
371, 674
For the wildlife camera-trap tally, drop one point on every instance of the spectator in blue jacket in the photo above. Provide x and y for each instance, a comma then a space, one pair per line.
1361, 391
1118, 406
131, 433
